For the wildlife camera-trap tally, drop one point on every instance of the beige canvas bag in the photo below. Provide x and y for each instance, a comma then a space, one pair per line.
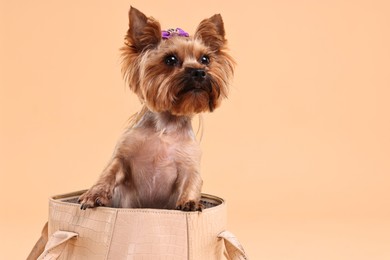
119, 233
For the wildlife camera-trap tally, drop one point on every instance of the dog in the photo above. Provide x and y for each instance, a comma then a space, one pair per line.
156, 163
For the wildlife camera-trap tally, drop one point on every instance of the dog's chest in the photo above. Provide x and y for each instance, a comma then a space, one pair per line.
159, 158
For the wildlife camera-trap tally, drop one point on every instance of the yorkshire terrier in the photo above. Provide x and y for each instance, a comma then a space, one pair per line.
176, 76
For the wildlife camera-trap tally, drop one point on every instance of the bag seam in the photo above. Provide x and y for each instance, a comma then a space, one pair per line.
188, 239
111, 235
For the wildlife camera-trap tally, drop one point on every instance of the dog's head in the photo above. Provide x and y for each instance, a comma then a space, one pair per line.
171, 71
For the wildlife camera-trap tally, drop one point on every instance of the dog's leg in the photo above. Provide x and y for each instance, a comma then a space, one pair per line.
189, 184
101, 193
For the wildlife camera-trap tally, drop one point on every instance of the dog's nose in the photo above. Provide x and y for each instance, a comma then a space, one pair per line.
198, 73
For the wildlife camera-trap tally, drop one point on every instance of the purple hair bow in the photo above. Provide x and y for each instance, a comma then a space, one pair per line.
174, 32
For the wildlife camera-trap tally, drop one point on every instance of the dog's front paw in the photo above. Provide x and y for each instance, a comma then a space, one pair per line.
190, 205
98, 195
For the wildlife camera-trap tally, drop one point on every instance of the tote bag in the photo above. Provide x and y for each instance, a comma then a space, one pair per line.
139, 234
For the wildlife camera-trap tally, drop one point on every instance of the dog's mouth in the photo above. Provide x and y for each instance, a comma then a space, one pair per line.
191, 89
196, 87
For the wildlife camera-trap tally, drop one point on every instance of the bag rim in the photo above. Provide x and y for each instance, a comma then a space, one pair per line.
62, 199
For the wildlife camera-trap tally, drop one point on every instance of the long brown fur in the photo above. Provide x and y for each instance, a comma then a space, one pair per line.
156, 163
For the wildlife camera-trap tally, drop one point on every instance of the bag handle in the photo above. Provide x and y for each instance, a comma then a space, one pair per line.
56, 244
233, 247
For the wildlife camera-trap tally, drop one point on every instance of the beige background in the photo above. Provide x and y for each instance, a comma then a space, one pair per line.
300, 150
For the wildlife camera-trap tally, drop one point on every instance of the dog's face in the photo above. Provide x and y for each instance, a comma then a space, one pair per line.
181, 75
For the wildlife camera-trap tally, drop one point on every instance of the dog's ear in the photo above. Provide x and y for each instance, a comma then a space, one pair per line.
144, 32
212, 32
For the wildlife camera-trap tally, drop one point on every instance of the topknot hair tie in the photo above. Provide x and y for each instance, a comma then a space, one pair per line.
174, 32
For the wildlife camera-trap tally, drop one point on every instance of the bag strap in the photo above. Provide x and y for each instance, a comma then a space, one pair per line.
56, 244
233, 247
39, 245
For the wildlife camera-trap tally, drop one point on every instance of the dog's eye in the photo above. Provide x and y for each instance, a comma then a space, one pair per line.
171, 60
205, 60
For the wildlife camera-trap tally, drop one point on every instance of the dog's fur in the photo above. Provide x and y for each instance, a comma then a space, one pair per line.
156, 162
